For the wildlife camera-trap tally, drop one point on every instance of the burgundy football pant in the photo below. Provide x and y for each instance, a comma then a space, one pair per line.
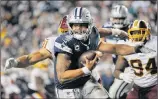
143, 93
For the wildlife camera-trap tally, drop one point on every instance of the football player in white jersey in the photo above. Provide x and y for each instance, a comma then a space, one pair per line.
143, 64
47, 52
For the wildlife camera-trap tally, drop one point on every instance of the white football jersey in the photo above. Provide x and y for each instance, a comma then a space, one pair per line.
145, 64
49, 43
151, 45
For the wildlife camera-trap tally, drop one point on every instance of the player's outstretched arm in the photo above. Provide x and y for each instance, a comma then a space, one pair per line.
120, 49
27, 60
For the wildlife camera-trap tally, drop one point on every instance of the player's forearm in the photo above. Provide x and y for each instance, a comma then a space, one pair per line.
122, 49
23, 61
104, 32
117, 74
27, 60
71, 74
119, 49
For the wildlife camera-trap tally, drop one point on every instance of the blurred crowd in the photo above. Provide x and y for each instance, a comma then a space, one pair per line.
25, 24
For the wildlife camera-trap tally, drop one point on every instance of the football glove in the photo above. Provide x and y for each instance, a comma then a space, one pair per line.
120, 33
11, 62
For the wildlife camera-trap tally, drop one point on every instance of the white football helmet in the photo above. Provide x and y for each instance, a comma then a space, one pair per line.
80, 15
119, 16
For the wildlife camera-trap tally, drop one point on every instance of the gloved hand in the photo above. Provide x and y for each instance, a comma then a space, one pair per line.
127, 76
120, 33
11, 62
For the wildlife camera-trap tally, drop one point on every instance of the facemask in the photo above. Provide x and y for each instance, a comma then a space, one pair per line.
120, 24
83, 37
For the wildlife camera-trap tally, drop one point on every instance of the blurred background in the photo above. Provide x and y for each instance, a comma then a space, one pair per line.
25, 24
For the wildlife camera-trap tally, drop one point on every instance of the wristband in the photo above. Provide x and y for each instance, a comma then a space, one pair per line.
86, 70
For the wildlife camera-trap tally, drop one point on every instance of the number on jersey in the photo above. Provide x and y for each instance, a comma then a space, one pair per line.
150, 66
44, 43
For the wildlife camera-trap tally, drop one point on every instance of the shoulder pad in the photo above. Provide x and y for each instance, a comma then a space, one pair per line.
65, 37
62, 44
152, 43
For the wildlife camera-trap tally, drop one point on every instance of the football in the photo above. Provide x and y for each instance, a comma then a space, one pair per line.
90, 56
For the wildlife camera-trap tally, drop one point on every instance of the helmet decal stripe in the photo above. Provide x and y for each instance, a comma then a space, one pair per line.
75, 13
138, 24
80, 12
120, 9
